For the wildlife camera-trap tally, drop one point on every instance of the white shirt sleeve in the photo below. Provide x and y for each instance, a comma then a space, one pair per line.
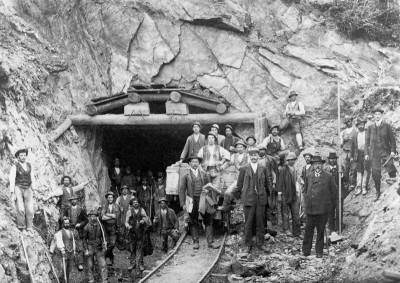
265, 142
13, 175
59, 241
283, 146
286, 109
301, 111
200, 154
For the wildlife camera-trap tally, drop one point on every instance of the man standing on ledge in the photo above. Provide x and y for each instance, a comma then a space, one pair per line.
320, 190
346, 137
380, 147
193, 142
22, 185
295, 112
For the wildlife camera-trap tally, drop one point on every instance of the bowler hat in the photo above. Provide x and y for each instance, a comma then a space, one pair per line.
196, 123
377, 109
307, 153
253, 149
291, 156
215, 126
74, 197
360, 121
275, 126
317, 158
194, 156
332, 155
211, 134
347, 119
240, 142
110, 193
162, 199
66, 176
23, 150
93, 212
251, 137
293, 93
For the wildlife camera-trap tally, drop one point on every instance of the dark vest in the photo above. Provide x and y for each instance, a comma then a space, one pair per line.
255, 180
23, 178
274, 146
68, 242
67, 193
124, 203
197, 184
94, 234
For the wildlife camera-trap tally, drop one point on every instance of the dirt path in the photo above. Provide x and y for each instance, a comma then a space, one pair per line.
188, 265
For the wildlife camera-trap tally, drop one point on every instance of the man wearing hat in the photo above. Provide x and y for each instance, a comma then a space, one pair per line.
145, 196
295, 112
22, 185
159, 191
346, 137
380, 148
215, 130
77, 221
251, 141
193, 142
128, 179
287, 195
229, 142
275, 145
358, 157
122, 203
320, 190
167, 223
194, 183
110, 213
333, 168
213, 156
94, 243
115, 174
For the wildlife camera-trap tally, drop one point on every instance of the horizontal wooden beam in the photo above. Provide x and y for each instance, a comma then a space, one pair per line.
163, 119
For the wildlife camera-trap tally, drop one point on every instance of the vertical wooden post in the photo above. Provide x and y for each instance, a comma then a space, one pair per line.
260, 129
339, 161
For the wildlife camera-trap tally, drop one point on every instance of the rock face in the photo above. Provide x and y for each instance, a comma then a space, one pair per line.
56, 55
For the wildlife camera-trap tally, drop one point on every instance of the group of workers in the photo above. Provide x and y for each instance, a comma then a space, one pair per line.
265, 178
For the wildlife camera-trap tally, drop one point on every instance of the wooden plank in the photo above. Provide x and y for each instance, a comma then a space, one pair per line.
75, 136
176, 108
61, 129
134, 97
175, 96
137, 109
164, 119
260, 128
94, 109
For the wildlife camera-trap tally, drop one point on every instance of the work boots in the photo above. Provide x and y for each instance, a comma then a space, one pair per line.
210, 239
378, 189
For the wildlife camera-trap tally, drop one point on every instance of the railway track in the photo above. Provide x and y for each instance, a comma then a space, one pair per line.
185, 264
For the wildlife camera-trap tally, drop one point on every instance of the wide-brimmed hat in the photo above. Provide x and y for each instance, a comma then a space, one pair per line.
74, 197
274, 126
23, 150
65, 176
253, 149
194, 156
360, 121
377, 109
211, 134
291, 156
240, 142
347, 119
307, 153
317, 158
124, 187
196, 123
293, 93
215, 126
109, 194
251, 137
332, 155
162, 199
93, 212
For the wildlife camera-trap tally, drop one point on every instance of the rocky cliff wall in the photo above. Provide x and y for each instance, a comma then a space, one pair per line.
56, 55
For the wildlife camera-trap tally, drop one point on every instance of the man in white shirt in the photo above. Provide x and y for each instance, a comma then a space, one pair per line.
22, 185
358, 157
215, 130
295, 112
110, 213
65, 243
275, 145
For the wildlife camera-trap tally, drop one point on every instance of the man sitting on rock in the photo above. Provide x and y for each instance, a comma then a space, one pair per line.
168, 224
275, 145
22, 185
109, 216
295, 112
78, 220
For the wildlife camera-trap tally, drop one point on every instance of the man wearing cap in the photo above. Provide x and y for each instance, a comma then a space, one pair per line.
145, 196
295, 112
287, 195
194, 183
159, 191
229, 142
193, 142
215, 130
213, 157
346, 137
275, 145
333, 168
115, 174
77, 221
65, 192
380, 147
251, 141
122, 203
22, 185
95, 244
109, 215
357, 155
66, 244
128, 179
167, 223
320, 190
135, 223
